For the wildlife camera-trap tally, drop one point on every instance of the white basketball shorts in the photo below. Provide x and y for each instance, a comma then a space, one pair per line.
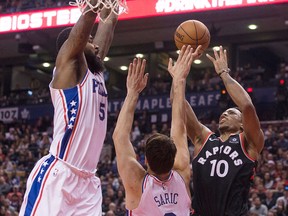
55, 188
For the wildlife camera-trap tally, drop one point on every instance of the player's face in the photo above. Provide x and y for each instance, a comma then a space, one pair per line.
91, 51
230, 120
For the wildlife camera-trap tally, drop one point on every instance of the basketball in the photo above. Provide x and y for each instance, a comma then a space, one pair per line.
194, 33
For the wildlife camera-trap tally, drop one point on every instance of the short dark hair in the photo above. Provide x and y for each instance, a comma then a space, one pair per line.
62, 37
160, 152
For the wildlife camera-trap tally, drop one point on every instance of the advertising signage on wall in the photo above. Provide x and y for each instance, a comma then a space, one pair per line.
159, 104
57, 17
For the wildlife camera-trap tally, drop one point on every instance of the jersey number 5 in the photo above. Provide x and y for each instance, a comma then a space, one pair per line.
102, 111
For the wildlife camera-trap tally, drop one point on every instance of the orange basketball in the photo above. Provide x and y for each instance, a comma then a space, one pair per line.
194, 33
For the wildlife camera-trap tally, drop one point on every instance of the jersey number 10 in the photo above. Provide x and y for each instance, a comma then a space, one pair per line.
219, 167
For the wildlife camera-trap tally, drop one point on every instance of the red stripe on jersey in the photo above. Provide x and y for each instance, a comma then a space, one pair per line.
64, 107
76, 122
36, 171
65, 118
242, 139
85, 78
58, 148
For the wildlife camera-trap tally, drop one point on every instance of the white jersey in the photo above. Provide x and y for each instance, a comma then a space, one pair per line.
80, 122
163, 198
64, 182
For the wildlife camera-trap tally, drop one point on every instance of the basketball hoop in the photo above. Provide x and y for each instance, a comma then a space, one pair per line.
117, 6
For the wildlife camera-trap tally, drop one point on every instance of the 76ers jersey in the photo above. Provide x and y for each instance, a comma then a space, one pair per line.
80, 122
222, 174
163, 198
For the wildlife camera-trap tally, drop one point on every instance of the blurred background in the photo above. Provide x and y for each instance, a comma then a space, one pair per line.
254, 32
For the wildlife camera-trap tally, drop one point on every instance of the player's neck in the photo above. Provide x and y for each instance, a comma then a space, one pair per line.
225, 134
161, 177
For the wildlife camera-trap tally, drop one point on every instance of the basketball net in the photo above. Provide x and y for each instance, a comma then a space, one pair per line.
117, 6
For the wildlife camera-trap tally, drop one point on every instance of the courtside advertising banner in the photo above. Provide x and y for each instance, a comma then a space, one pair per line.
66, 16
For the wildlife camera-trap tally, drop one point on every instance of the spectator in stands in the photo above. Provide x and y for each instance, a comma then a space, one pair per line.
270, 199
279, 208
282, 141
282, 101
283, 200
4, 186
268, 181
258, 207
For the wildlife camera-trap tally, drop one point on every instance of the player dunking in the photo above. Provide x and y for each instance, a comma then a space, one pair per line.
223, 166
64, 182
162, 190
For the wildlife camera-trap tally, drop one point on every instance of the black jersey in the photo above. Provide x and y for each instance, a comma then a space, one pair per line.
222, 175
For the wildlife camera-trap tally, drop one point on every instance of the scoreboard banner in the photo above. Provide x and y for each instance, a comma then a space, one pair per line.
67, 16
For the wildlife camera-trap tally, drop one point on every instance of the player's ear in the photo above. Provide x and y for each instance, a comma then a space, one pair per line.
241, 127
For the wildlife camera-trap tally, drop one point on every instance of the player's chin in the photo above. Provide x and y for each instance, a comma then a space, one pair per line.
97, 55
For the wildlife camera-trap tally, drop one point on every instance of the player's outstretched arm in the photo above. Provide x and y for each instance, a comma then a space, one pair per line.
130, 170
78, 37
105, 31
71, 64
196, 131
179, 71
251, 125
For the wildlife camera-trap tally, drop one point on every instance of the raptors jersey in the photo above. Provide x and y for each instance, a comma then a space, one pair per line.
222, 174
163, 198
80, 121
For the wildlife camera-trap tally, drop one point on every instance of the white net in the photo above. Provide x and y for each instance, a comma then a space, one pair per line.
117, 6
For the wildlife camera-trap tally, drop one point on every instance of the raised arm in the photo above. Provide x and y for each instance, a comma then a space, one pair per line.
251, 125
130, 170
71, 64
179, 72
105, 32
79, 35
196, 131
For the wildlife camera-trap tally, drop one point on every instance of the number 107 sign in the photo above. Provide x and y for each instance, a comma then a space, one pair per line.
9, 114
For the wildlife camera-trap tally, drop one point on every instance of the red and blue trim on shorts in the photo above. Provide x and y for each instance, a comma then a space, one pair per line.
38, 183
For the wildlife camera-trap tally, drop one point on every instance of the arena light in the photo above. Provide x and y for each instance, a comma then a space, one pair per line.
30, 93
282, 82
106, 59
36, 47
252, 27
123, 68
197, 61
249, 89
46, 64
139, 55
